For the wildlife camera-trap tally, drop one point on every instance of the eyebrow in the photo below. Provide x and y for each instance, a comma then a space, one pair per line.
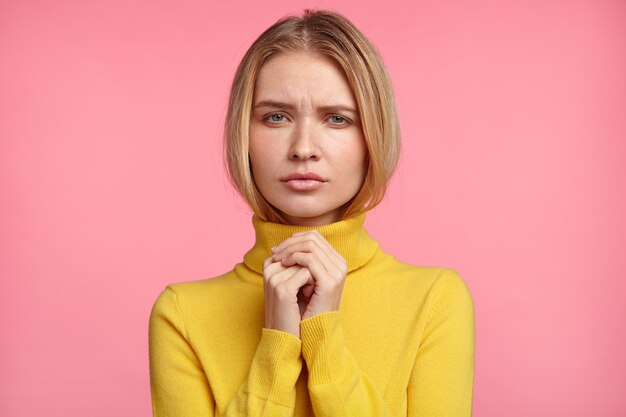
337, 108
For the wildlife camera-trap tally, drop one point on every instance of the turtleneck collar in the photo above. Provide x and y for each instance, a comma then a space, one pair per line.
347, 236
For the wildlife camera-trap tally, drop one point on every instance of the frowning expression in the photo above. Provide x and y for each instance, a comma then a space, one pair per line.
307, 149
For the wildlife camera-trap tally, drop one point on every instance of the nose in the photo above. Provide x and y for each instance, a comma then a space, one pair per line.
304, 143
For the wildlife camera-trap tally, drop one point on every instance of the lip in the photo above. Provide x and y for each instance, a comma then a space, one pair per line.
303, 176
307, 181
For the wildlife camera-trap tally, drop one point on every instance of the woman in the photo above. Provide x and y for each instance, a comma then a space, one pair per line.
316, 320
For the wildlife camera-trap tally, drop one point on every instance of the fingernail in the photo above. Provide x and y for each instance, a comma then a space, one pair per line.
274, 249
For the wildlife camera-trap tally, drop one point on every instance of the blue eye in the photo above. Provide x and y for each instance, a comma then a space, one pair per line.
276, 118
338, 120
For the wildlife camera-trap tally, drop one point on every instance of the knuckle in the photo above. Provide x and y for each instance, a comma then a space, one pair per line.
311, 235
283, 293
339, 274
335, 285
272, 281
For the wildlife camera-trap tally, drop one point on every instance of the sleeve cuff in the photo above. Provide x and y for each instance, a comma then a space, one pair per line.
322, 347
276, 367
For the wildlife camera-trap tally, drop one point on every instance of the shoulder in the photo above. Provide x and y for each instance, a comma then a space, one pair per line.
451, 287
445, 287
442, 282
433, 278
450, 303
416, 285
444, 279
208, 286
441, 285
180, 296
205, 304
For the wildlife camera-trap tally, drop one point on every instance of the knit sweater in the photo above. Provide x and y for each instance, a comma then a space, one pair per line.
401, 344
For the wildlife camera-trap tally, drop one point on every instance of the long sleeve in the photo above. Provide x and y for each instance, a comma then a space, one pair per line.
402, 344
177, 381
270, 388
441, 382
179, 384
336, 384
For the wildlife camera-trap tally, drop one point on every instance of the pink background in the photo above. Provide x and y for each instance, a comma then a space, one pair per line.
513, 173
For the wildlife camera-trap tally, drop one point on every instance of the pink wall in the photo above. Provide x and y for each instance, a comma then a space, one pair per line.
513, 173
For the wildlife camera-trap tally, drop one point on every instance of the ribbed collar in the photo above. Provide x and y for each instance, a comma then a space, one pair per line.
348, 237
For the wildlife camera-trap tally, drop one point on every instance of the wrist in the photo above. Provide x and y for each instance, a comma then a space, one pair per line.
291, 328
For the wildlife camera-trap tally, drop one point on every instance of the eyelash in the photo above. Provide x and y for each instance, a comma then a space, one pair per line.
269, 118
344, 120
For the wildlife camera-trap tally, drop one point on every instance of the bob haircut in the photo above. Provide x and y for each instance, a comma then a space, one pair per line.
334, 36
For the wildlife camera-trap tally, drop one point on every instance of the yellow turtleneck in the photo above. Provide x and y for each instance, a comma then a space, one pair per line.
402, 343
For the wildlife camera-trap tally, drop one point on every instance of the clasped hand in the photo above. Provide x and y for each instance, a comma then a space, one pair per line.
304, 277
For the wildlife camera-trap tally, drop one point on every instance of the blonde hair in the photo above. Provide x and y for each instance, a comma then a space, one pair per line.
332, 35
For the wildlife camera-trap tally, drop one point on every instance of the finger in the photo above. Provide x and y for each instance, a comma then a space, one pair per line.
283, 274
271, 268
275, 273
310, 246
295, 237
316, 236
268, 262
329, 264
309, 242
281, 287
312, 263
307, 290
298, 280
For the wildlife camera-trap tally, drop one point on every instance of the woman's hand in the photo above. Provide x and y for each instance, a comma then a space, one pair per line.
281, 287
321, 291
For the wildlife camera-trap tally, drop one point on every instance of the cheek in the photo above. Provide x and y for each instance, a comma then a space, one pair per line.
257, 150
353, 156
258, 165
263, 144
359, 162
262, 162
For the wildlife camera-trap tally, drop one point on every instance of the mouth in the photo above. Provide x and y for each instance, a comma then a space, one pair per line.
307, 181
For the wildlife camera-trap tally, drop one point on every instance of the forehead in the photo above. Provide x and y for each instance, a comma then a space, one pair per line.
302, 77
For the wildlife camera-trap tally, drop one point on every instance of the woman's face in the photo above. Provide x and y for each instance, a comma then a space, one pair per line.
307, 149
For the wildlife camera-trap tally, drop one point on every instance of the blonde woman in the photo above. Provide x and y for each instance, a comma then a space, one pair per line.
316, 320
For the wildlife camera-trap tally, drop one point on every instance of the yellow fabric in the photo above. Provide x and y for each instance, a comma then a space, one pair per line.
402, 343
